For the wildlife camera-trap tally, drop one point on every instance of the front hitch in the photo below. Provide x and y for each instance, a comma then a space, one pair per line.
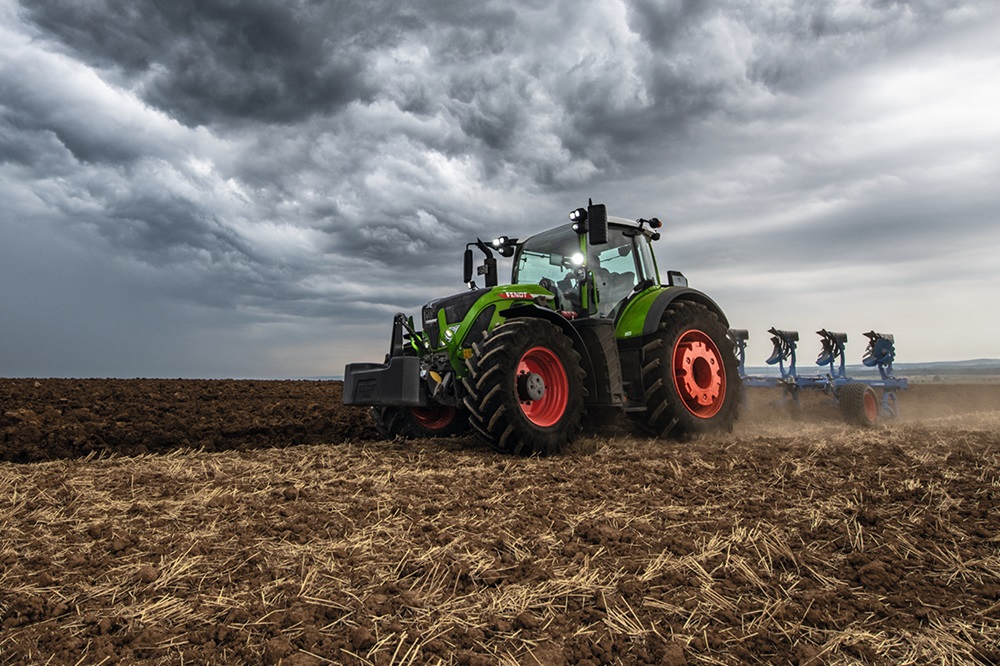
401, 323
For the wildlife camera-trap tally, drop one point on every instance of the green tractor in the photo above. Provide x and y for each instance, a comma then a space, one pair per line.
585, 327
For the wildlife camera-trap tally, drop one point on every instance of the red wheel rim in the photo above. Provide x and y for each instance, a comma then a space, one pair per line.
434, 418
548, 409
699, 374
871, 407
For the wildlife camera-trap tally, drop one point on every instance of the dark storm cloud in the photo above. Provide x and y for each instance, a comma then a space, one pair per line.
30, 138
216, 61
707, 56
660, 23
36, 124
219, 63
152, 226
486, 67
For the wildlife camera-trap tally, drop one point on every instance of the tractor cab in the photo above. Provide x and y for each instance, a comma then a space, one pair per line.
589, 279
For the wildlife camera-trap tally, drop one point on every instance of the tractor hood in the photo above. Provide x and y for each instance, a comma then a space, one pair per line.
455, 308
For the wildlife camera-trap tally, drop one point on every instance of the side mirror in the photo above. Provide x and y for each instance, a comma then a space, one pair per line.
467, 275
488, 267
597, 216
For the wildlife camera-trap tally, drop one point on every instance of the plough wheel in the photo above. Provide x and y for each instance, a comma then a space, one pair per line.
420, 422
858, 404
689, 374
525, 387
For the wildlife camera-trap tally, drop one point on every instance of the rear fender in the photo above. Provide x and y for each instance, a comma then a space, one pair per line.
642, 315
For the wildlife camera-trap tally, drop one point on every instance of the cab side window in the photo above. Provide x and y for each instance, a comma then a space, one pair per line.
614, 268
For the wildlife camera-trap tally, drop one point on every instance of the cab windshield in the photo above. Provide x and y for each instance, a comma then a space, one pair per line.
553, 255
618, 266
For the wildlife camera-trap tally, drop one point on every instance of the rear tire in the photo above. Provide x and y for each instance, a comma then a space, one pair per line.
525, 387
859, 404
689, 374
420, 422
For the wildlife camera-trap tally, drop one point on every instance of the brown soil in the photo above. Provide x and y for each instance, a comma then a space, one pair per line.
155, 521
70, 418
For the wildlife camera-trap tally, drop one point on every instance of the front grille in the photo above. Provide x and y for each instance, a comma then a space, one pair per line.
455, 309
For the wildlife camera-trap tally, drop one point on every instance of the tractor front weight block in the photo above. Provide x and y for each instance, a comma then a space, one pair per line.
396, 382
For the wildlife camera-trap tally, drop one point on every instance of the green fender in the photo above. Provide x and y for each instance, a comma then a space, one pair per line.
642, 315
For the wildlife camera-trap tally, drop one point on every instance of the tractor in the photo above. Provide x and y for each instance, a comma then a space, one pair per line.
584, 328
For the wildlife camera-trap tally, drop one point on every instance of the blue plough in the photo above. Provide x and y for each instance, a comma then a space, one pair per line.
856, 397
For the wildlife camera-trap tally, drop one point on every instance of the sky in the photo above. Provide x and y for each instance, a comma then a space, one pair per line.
213, 188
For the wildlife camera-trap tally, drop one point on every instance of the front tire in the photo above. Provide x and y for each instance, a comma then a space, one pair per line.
525, 387
691, 384
420, 422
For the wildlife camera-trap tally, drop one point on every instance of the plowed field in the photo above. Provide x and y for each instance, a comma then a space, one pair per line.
169, 522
